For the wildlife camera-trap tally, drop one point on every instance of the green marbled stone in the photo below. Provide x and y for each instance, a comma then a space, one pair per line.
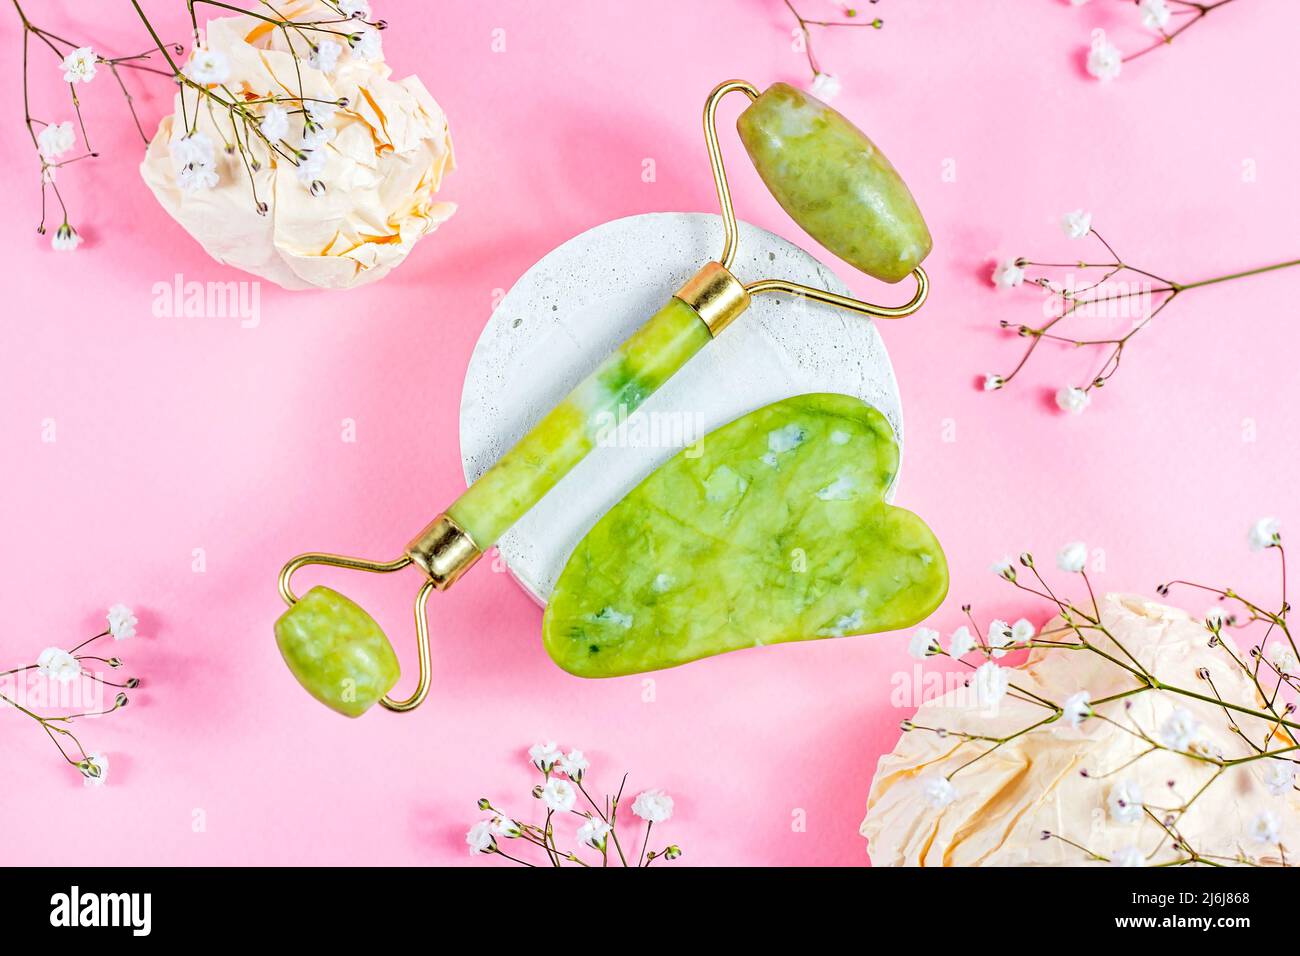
570, 430
834, 182
337, 651
773, 529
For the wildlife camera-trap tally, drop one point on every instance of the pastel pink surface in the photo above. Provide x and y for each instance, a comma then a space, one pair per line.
175, 434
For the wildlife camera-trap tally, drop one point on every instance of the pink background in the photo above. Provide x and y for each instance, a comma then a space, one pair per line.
176, 434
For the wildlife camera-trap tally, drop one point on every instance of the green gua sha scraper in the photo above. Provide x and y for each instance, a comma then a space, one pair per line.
773, 528
833, 182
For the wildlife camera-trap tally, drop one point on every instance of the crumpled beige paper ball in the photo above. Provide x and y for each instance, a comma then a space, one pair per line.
383, 166
1006, 799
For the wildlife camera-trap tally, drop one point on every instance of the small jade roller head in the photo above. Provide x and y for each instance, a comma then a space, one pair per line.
833, 181
337, 651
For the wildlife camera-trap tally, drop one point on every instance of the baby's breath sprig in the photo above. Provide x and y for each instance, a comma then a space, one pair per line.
1271, 668
25, 689
827, 85
1170, 23
1105, 61
53, 140
1111, 289
564, 780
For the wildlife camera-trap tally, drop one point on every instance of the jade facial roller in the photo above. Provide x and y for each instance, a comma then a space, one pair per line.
828, 176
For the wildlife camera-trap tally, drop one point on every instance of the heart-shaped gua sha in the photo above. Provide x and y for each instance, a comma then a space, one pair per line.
773, 528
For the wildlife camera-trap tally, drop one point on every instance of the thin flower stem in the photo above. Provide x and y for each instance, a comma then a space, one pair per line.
805, 23
90, 640
501, 852
1196, 12
1003, 741
649, 824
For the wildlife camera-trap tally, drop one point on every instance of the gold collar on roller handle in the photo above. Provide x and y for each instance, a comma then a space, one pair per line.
444, 550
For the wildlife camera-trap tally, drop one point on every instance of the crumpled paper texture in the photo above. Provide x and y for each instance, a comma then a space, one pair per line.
384, 167
1032, 784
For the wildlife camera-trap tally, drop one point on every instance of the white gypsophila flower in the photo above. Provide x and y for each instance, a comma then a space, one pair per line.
544, 755
991, 682
1078, 3
594, 832
366, 45
1104, 58
479, 838
274, 123
207, 66
924, 642
962, 642
1076, 224
1215, 617
825, 87
58, 665
1076, 709
1073, 400
1180, 729
79, 65
1264, 533
95, 774
1072, 557
1279, 777
193, 149
653, 806
310, 165
195, 178
1022, 631
194, 159
559, 795
938, 791
1008, 274
1282, 656
1128, 856
325, 56
998, 637
505, 827
993, 382
574, 764
55, 140
1265, 828
1206, 748
1005, 568
121, 622
1155, 14
1125, 802
320, 112
316, 137
65, 239
355, 8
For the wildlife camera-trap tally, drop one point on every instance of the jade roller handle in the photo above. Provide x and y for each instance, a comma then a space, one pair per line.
622, 382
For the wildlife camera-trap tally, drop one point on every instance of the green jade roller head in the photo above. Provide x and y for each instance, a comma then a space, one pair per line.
828, 176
